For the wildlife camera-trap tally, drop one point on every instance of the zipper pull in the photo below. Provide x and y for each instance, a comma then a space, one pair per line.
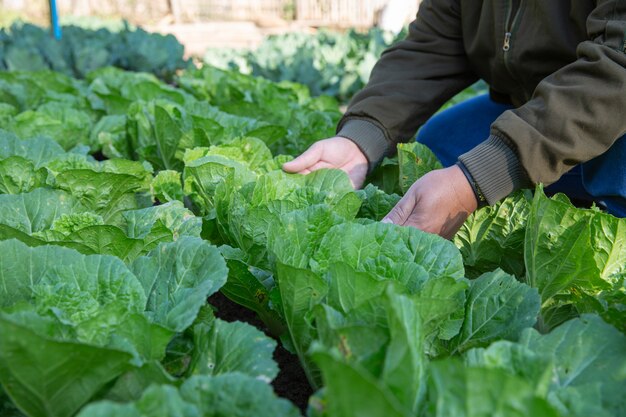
507, 42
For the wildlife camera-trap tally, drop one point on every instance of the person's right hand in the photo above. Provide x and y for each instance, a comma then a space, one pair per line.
337, 152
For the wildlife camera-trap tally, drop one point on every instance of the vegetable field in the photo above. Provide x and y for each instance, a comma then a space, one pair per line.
126, 202
328, 63
29, 47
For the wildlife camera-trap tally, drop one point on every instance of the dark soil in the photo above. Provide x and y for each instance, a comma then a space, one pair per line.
291, 382
99, 156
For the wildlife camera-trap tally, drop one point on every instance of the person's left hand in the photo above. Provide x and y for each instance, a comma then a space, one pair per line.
439, 202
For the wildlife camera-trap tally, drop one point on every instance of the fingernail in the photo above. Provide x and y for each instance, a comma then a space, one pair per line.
386, 220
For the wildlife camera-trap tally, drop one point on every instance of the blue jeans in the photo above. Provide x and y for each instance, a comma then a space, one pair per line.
460, 128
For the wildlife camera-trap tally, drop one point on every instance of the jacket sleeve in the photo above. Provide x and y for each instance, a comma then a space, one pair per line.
410, 82
575, 114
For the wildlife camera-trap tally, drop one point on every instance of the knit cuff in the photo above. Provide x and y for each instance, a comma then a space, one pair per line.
478, 194
369, 138
495, 168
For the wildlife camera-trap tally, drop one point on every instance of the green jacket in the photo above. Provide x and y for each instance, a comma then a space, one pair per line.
562, 63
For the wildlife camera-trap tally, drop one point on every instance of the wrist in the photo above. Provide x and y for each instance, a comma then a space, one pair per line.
466, 195
369, 138
495, 166
481, 201
355, 152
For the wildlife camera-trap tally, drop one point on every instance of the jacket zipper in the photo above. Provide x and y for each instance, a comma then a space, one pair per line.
511, 18
515, 7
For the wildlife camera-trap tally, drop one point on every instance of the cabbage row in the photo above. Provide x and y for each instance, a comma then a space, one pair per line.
26, 47
328, 63
127, 202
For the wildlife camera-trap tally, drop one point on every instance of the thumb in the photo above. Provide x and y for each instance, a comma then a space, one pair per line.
401, 212
309, 158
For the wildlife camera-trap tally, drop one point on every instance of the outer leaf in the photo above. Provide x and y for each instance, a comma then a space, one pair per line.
18, 175
300, 291
586, 352
440, 303
96, 297
231, 395
173, 216
131, 385
248, 214
167, 186
493, 237
67, 125
167, 135
436, 255
106, 194
337, 191
558, 251
534, 367
386, 250
404, 371
104, 240
359, 245
36, 211
177, 278
498, 307
382, 341
205, 174
361, 335
248, 150
351, 391
376, 203
132, 332
233, 347
235, 395
612, 305
39, 151
7, 233
156, 401
608, 237
28, 273
298, 235
415, 160
386, 176
573, 257
46, 377
348, 288
456, 390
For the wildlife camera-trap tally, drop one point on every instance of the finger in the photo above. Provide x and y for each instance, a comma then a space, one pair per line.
322, 165
401, 212
305, 161
319, 165
315, 167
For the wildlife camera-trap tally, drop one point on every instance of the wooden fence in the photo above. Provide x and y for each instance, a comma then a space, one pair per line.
200, 10
340, 13
343, 13
133, 10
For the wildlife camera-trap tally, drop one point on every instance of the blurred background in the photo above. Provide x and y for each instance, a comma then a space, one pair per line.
200, 24
330, 46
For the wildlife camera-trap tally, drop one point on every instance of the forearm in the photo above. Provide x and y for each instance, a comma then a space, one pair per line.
575, 114
410, 82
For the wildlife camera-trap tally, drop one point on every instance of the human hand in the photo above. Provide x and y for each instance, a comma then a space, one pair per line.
439, 202
337, 152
